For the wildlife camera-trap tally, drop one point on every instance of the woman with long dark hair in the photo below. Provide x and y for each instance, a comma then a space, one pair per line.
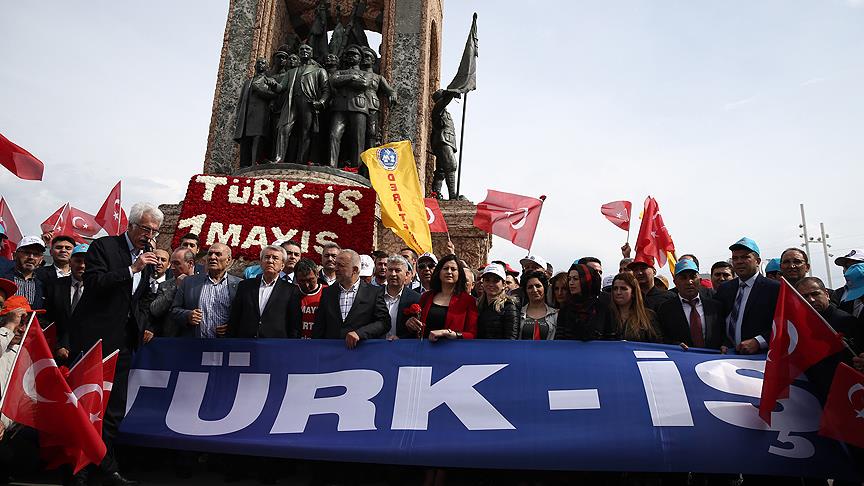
583, 315
558, 292
537, 319
447, 310
629, 319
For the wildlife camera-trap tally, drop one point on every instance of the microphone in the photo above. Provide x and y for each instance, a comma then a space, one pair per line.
147, 249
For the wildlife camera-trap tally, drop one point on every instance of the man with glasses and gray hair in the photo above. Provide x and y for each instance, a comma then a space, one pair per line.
117, 271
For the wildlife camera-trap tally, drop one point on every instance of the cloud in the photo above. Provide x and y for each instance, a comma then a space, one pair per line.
855, 3
819, 79
734, 105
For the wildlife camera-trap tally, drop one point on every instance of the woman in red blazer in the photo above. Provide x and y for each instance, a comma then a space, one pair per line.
448, 310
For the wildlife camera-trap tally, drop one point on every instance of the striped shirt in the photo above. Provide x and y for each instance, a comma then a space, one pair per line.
26, 287
346, 298
215, 304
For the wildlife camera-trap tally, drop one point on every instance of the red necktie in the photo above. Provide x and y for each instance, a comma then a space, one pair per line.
695, 324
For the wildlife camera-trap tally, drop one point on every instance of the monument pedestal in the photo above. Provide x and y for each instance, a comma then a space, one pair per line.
472, 245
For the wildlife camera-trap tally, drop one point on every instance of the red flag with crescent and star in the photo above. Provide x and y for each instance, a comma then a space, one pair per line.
510, 216
85, 380
38, 396
111, 216
843, 416
618, 213
435, 216
13, 233
75, 222
800, 338
654, 242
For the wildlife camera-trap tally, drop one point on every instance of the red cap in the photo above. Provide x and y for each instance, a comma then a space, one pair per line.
18, 302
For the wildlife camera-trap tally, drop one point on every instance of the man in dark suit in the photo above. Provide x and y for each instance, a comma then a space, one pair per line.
182, 266
202, 302
351, 309
61, 252
692, 318
116, 276
397, 295
748, 300
266, 306
63, 296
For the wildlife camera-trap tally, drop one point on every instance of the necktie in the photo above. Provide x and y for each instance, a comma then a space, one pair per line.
695, 324
736, 309
76, 296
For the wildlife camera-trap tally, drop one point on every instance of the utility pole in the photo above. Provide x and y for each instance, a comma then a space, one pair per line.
806, 243
825, 246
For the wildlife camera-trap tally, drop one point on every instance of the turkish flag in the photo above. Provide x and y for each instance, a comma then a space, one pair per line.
50, 333
618, 212
111, 216
800, 338
510, 216
109, 367
85, 379
654, 241
7, 220
435, 216
80, 222
38, 396
843, 416
19, 161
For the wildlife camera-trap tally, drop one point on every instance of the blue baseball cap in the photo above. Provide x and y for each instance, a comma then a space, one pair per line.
854, 281
80, 248
773, 265
745, 244
684, 265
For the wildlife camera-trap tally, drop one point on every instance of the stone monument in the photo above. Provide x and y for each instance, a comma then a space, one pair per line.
410, 61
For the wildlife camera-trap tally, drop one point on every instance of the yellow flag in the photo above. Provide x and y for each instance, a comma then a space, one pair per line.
394, 177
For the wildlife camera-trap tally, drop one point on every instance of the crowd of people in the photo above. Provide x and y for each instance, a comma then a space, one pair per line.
122, 291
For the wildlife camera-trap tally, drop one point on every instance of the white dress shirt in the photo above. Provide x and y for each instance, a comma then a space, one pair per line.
264, 291
135, 253
746, 295
393, 308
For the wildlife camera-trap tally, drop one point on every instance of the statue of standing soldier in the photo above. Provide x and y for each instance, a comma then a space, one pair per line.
376, 83
252, 118
349, 108
307, 90
444, 144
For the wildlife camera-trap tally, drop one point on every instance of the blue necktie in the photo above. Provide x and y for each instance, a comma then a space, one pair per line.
733, 316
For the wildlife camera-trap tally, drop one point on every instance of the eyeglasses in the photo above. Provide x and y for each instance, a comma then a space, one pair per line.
147, 231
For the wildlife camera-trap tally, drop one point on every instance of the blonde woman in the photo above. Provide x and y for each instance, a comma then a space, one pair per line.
498, 316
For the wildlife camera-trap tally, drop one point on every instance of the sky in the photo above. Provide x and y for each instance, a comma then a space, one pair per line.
730, 113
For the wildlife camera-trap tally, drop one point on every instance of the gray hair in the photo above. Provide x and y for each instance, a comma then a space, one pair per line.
355, 258
327, 246
188, 255
276, 248
140, 209
398, 260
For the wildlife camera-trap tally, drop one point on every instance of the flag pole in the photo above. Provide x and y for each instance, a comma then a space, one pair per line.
461, 149
542, 200
17, 355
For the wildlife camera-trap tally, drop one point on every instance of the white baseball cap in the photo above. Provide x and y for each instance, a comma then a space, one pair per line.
366, 265
429, 256
851, 258
536, 259
494, 269
30, 241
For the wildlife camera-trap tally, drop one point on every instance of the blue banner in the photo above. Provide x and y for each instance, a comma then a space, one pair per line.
613, 406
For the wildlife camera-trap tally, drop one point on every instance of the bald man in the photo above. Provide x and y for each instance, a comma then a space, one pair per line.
202, 303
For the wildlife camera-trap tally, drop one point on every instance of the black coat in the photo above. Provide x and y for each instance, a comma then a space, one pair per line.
656, 297
47, 275
408, 297
58, 308
675, 324
492, 324
282, 317
759, 311
368, 315
108, 310
583, 320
